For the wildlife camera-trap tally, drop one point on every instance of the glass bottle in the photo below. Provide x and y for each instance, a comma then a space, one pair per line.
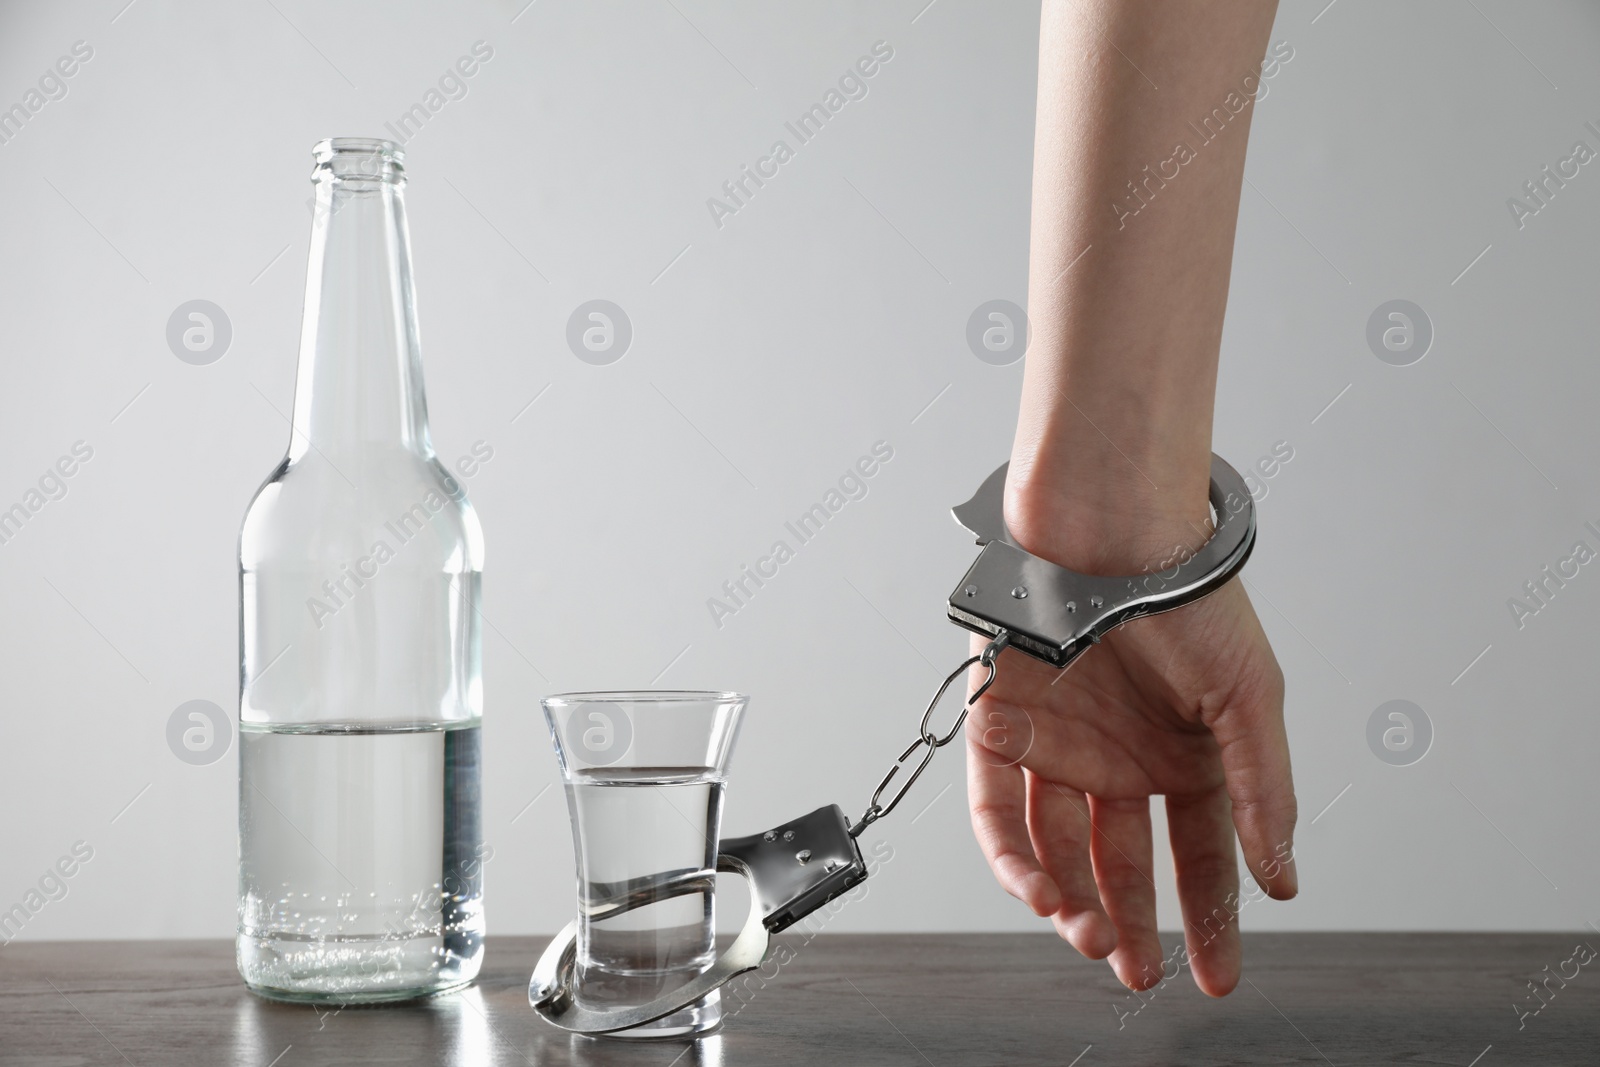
360, 868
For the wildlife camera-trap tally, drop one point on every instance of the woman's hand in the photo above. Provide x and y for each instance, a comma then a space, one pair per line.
1061, 769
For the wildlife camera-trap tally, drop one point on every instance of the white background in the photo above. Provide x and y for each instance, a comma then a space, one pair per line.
768, 355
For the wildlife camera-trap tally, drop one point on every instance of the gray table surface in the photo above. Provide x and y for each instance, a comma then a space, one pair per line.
947, 1000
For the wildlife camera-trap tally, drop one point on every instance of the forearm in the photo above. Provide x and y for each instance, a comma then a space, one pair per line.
1143, 113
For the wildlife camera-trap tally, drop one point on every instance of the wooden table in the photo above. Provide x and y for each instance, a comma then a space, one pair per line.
847, 1000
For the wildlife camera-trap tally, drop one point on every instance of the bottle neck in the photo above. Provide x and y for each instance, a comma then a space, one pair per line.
359, 385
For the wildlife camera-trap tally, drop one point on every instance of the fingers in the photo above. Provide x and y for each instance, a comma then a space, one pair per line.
1208, 887
1255, 759
1060, 828
1123, 870
997, 797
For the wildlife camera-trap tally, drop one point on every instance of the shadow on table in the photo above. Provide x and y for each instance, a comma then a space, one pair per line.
454, 1030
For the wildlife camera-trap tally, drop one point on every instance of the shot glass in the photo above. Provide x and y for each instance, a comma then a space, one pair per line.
644, 774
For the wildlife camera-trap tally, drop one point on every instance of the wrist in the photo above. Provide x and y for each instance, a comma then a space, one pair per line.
1100, 510
1111, 464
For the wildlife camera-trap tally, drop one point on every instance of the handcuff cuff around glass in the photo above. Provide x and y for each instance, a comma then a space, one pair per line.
1014, 598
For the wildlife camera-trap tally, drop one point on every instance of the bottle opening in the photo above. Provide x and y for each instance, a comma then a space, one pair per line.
358, 159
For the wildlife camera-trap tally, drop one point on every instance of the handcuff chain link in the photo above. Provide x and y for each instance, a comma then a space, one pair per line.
929, 740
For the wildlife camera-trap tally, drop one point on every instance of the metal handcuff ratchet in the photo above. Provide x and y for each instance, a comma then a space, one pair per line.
1015, 599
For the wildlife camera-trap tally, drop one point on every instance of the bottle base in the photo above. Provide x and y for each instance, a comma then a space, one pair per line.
350, 999
356, 970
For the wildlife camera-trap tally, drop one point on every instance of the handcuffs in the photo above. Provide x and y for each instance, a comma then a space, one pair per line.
1015, 599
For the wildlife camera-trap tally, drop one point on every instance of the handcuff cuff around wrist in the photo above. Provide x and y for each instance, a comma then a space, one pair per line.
1009, 595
